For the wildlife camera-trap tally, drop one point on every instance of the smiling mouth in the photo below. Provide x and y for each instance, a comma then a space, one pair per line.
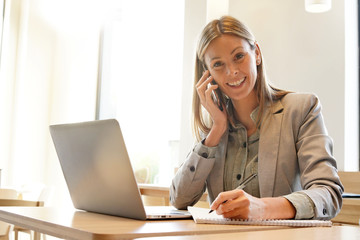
237, 83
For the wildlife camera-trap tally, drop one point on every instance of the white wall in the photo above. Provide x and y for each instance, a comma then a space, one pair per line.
195, 18
303, 52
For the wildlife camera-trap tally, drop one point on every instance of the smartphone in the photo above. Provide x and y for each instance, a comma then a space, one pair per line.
216, 94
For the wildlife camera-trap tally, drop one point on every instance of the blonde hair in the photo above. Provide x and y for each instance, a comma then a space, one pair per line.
264, 91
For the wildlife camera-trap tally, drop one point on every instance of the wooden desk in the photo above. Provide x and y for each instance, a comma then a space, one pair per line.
350, 212
80, 225
315, 233
159, 195
154, 194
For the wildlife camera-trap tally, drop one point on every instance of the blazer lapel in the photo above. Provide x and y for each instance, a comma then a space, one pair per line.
270, 132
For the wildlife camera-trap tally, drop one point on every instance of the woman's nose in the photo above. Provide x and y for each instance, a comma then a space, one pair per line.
232, 70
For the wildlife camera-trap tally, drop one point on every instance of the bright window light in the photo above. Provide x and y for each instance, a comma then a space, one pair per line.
141, 83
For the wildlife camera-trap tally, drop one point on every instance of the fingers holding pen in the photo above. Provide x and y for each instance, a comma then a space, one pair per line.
232, 204
224, 197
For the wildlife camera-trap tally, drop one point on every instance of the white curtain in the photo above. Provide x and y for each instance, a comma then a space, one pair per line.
48, 75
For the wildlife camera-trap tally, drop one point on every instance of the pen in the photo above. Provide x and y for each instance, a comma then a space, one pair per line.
242, 185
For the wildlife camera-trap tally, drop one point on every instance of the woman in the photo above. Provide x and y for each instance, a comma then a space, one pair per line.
251, 127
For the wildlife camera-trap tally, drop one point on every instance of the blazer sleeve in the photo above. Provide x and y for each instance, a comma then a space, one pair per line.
318, 170
189, 182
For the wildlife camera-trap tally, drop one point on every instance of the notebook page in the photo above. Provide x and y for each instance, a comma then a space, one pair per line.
202, 215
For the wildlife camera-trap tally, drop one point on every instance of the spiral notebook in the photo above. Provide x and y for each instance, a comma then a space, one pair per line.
202, 215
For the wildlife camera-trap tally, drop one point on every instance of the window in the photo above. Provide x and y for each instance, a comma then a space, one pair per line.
2, 11
351, 105
140, 86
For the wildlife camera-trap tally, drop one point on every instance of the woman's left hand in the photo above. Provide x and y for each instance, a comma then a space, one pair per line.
239, 204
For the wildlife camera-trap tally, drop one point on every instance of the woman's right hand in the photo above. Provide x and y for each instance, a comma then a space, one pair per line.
204, 89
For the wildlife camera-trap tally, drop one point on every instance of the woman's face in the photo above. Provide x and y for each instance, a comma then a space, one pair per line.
232, 63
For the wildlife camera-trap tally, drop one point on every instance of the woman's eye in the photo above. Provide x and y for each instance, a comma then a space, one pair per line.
217, 64
239, 56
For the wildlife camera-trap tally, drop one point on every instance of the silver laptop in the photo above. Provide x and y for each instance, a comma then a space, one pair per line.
98, 172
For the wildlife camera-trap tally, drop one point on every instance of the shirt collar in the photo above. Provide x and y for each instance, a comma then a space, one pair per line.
253, 115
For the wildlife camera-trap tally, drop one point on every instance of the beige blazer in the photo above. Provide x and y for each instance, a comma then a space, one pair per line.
295, 154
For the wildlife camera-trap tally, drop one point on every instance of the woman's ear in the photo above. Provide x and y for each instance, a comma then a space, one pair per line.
257, 54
